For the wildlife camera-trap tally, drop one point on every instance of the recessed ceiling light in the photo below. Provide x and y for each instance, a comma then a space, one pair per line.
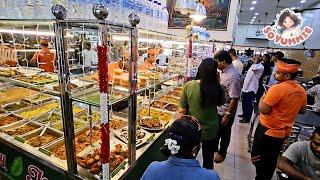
251, 22
254, 2
252, 8
254, 17
303, 1
256, 14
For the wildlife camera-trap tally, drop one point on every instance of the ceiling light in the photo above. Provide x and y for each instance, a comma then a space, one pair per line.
303, 1
254, 17
256, 14
252, 8
254, 2
251, 22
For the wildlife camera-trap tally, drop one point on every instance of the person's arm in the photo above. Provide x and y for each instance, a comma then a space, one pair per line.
270, 99
232, 106
34, 58
287, 166
183, 102
312, 90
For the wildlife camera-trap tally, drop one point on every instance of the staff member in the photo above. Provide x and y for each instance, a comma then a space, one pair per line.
150, 61
279, 108
44, 58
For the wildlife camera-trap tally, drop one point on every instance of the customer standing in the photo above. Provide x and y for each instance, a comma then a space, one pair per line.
250, 88
278, 110
275, 57
200, 99
182, 147
230, 81
235, 61
265, 75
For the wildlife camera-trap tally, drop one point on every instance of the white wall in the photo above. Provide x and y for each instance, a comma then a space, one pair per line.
223, 36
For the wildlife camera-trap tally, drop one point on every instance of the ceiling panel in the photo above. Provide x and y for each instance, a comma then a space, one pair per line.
269, 6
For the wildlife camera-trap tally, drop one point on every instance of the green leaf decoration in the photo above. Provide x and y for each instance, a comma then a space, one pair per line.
16, 167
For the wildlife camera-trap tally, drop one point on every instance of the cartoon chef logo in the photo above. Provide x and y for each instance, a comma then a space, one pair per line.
287, 30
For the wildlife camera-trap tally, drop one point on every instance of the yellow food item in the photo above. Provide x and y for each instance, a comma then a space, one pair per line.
14, 94
39, 111
164, 116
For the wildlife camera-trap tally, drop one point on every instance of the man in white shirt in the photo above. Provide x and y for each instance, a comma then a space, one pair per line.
89, 55
250, 88
315, 91
275, 56
235, 61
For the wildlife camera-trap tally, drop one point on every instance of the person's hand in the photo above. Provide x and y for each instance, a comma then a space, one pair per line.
225, 120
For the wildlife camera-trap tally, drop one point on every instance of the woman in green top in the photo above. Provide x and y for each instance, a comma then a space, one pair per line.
200, 99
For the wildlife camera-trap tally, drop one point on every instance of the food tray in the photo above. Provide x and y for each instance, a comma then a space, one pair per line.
38, 110
119, 151
30, 137
160, 128
15, 106
78, 85
122, 122
163, 115
49, 149
3, 117
78, 124
172, 107
13, 94
38, 99
85, 117
35, 80
158, 104
140, 142
13, 127
169, 99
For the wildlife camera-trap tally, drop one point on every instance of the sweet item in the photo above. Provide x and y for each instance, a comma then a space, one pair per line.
41, 140
8, 119
21, 130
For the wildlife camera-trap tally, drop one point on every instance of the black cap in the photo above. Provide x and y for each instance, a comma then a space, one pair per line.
278, 54
316, 78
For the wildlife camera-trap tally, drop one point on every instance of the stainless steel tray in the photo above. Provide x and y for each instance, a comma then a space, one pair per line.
139, 142
28, 137
31, 108
34, 99
20, 124
16, 122
4, 107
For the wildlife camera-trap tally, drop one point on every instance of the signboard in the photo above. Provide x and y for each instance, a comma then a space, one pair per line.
288, 29
16, 165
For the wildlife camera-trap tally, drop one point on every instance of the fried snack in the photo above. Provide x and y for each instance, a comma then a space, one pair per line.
116, 123
39, 111
8, 119
16, 106
163, 116
152, 123
14, 94
81, 142
158, 104
21, 130
172, 107
139, 135
93, 161
170, 99
41, 140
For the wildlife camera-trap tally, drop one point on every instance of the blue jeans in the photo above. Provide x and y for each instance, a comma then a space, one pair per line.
247, 104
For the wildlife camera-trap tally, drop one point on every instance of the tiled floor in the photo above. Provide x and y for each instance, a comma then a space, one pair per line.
237, 165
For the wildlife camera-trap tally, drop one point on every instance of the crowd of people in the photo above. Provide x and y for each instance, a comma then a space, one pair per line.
208, 107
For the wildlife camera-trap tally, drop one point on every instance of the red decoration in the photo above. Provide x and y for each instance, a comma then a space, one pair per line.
103, 68
105, 147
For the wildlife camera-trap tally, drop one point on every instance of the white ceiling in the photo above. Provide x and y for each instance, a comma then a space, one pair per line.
269, 6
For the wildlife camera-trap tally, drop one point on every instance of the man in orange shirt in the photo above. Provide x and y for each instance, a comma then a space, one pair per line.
279, 108
44, 58
150, 61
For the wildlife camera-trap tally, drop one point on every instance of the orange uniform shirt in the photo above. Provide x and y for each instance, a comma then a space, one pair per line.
111, 68
45, 59
145, 66
286, 99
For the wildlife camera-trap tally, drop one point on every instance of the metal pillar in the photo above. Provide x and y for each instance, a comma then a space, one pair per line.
134, 20
64, 77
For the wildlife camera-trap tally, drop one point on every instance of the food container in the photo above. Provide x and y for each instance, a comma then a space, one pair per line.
34, 139
11, 107
151, 124
38, 99
82, 142
38, 110
158, 104
78, 124
9, 119
142, 136
172, 107
117, 122
21, 128
163, 115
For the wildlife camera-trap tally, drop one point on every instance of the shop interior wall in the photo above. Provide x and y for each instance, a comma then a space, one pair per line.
221, 36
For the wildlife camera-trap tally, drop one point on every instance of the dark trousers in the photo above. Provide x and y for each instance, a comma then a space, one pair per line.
208, 148
247, 104
224, 136
265, 152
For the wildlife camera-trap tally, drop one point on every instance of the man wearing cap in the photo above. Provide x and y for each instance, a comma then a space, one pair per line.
150, 61
315, 91
275, 56
279, 108
44, 58
90, 56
